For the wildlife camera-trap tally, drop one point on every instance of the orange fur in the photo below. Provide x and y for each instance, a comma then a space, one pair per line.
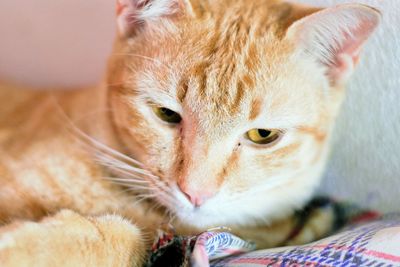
226, 66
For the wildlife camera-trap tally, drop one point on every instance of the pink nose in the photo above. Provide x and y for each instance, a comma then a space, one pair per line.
197, 198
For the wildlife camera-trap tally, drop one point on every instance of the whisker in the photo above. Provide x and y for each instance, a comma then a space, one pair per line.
156, 183
125, 180
123, 165
137, 192
131, 187
154, 206
168, 198
140, 199
124, 168
129, 175
149, 182
140, 56
110, 150
100, 147
138, 178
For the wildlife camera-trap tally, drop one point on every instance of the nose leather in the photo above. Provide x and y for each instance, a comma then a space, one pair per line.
196, 197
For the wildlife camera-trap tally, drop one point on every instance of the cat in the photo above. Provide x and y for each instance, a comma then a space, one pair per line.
212, 113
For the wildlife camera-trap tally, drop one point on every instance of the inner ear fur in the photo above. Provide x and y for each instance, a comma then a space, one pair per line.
133, 15
333, 37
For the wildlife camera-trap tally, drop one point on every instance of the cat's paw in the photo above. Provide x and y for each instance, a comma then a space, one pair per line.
69, 239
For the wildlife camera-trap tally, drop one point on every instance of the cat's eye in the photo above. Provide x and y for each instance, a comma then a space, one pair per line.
167, 115
263, 136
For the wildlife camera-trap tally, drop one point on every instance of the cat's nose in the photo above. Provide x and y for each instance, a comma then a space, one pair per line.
196, 197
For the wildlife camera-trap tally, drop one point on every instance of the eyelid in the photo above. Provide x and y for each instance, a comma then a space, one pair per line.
160, 97
153, 103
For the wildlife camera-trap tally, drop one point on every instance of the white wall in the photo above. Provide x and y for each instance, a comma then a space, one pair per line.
66, 42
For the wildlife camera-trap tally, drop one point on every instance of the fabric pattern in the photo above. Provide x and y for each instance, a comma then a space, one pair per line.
214, 245
367, 239
372, 244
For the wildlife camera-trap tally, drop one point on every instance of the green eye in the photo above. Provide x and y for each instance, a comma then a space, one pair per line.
167, 115
262, 136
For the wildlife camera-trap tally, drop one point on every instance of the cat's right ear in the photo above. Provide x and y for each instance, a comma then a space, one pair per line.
133, 15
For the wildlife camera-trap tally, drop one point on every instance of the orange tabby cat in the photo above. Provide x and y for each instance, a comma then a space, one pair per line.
212, 113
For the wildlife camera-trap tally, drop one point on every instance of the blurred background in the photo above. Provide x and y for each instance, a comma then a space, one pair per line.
55, 43
65, 43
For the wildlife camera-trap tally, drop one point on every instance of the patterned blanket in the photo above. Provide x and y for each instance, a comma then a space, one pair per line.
372, 244
366, 240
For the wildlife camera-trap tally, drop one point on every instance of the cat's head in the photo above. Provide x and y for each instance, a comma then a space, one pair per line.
231, 103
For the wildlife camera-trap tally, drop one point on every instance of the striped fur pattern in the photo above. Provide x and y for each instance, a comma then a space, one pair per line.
226, 67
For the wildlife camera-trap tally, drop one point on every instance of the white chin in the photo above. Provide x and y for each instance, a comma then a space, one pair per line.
200, 218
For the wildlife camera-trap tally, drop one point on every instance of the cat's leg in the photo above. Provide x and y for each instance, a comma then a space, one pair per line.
69, 239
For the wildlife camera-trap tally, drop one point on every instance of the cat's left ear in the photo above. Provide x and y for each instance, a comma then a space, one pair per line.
133, 15
335, 36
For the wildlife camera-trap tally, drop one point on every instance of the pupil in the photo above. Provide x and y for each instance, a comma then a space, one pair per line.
264, 133
167, 112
